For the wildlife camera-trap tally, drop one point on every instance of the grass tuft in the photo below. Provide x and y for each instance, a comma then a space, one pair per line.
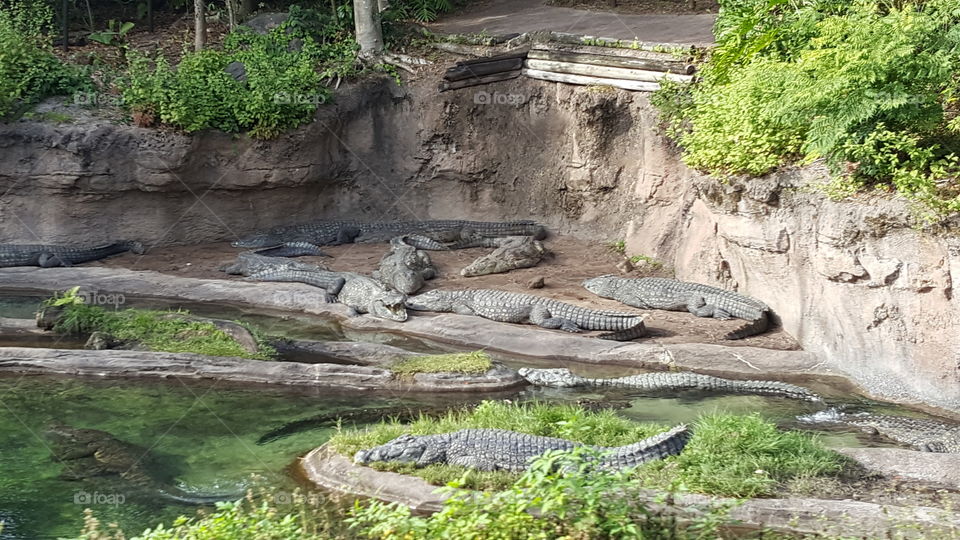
475, 363
732, 455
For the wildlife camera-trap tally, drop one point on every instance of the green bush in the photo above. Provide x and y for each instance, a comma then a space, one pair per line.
869, 86
543, 503
282, 88
29, 72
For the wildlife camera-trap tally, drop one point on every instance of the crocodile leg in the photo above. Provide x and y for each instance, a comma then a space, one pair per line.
51, 260
541, 316
463, 309
698, 305
629, 334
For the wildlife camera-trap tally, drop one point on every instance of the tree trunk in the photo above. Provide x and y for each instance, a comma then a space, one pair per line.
366, 17
199, 24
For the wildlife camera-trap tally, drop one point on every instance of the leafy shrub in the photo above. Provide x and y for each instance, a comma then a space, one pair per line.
29, 72
282, 88
869, 86
544, 502
420, 10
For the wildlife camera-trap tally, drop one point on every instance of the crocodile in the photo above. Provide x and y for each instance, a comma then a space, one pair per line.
327, 233
48, 256
466, 241
366, 295
670, 294
91, 453
512, 307
404, 267
512, 252
659, 382
262, 268
918, 433
497, 449
293, 249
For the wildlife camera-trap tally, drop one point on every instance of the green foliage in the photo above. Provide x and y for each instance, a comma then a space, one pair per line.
650, 261
115, 34
869, 86
561, 496
420, 10
620, 246
69, 297
727, 455
477, 362
29, 72
156, 330
282, 88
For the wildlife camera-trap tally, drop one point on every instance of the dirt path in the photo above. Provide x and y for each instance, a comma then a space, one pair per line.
510, 16
572, 261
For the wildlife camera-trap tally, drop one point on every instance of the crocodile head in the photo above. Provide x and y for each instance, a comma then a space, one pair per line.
390, 305
257, 240
403, 449
602, 286
555, 378
433, 301
135, 247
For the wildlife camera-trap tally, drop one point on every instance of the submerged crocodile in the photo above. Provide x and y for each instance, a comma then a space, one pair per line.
367, 295
659, 382
670, 294
91, 453
262, 268
497, 449
526, 308
404, 267
48, 256
919, 433
328, 233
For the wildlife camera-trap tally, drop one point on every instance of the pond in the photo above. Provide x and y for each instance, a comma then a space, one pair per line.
210, 437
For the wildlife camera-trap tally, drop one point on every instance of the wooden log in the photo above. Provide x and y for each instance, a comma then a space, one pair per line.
621, 52
474, 81
577, 39
605, 71
477, 51
637, 86
648, 64
460, 73
516, 53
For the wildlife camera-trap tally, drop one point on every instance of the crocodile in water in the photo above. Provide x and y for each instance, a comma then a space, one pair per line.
670, 294
526, 308
497, 449
919, 433
665, 382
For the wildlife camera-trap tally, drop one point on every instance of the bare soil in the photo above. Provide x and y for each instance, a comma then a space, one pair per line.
572, 260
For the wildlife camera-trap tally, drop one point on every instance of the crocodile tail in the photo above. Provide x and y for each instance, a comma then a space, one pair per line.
638, 330
752, 328
660, 446
420, 241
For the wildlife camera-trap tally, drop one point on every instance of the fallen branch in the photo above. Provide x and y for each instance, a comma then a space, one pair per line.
648, 64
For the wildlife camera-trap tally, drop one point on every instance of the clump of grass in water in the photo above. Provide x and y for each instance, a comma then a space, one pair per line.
732, 455
158, 331
473, 363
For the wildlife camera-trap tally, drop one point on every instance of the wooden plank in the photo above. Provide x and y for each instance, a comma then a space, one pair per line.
621, 44
520, 52
604, 71
460, 73
609, 51
637, 86
474, 81
680, 68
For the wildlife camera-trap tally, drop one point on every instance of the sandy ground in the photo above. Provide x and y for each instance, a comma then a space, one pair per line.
571, 262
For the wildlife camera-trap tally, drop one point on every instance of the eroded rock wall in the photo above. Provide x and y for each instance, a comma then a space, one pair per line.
850, 280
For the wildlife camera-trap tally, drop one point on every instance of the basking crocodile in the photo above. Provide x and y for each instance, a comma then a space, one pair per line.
919, 433
262, 268
48, 256
659, 382
91, 453
293, 249
512, 253
404, 267
327, 233
673, 295
497, 449
366, 295
526, 308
